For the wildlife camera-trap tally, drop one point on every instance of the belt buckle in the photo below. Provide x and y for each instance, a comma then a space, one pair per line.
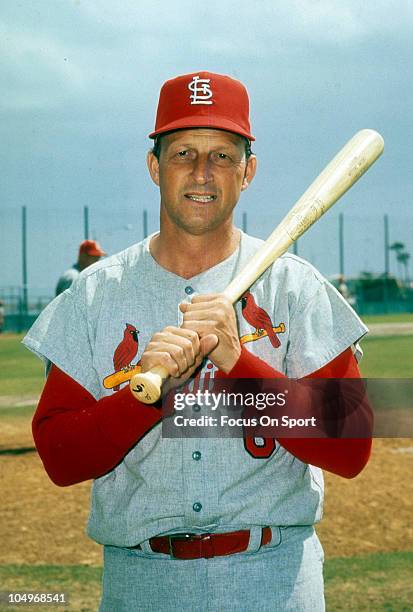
180, 537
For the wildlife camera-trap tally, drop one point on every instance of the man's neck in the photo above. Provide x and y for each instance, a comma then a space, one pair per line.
187, 255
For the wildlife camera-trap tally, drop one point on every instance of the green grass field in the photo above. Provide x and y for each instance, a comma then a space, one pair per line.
370, 582
399, 317
387, 357
21, 373
382, 581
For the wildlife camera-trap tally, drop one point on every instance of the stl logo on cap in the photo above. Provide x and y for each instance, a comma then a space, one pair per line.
203, 99
201, 90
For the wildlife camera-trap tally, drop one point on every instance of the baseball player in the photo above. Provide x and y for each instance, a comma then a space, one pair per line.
206, 523
90, 252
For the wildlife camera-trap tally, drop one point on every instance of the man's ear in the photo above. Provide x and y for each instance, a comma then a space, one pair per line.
153, 167
250, 171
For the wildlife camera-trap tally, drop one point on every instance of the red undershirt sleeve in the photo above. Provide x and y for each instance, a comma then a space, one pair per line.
343, 456
78, 437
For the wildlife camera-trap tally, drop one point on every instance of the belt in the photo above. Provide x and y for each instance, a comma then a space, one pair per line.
204, 545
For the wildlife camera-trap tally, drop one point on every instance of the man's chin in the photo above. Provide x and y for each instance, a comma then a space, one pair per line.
199, 230
200, 226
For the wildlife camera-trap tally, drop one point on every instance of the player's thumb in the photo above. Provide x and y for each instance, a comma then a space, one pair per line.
208, 343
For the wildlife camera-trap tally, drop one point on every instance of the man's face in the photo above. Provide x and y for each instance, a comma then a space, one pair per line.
201, 173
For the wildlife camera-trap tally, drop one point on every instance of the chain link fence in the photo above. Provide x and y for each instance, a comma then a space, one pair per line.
37, 247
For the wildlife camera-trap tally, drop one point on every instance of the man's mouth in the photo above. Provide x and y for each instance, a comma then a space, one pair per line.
202, 198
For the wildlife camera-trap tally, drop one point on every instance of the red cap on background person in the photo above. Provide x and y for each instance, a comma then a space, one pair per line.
91, 247
203, 99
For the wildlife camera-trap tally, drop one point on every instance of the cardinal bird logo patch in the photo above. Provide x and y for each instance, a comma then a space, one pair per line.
260, 320
123, 356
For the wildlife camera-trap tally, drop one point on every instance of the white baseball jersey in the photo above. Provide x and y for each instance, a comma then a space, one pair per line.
174, 485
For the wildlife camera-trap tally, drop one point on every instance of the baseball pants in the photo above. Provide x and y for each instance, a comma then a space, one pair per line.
283, 575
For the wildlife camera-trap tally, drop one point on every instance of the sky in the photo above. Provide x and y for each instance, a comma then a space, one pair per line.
80, 82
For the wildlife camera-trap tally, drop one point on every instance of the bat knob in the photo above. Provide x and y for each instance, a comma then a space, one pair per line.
146, 387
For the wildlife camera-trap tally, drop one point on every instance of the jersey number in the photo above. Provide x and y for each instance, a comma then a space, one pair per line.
259, 448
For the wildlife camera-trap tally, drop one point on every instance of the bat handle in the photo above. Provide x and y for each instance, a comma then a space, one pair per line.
146, 386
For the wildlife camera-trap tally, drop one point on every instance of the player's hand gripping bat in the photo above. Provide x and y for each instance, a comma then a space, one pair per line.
341, 173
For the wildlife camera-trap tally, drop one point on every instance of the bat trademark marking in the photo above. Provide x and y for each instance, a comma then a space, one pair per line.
357, 167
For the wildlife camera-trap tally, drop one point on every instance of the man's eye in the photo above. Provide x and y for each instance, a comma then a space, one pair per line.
222, 159
183, 155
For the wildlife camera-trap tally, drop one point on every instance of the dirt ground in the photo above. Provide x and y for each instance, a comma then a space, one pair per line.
42, 523
390, 329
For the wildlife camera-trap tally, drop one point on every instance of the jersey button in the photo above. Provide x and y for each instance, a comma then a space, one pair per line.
196, 455
197, 507
189, 290
196, 407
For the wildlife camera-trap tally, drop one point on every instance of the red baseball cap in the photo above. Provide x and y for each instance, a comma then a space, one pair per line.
203, 99
91, 247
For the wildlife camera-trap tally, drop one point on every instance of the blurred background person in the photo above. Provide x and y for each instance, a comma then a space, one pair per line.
342, 287
90, 252
344, 290
2, 313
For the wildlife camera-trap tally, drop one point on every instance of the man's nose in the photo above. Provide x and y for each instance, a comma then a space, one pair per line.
202, 169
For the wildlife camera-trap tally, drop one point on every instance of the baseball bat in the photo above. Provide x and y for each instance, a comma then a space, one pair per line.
340, 174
